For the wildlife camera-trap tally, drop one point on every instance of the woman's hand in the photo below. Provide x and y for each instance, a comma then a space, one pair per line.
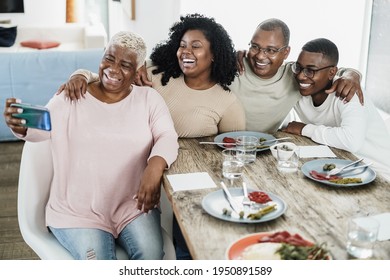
16, 124
141, 79
75, 88
149, 193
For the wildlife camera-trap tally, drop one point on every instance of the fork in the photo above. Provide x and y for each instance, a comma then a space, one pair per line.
274, 140
335, 171
245, 200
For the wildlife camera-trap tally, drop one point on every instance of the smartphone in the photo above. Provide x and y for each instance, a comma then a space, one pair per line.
36, 116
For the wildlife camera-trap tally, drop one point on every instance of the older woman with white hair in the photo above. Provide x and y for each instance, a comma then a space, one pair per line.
109, 155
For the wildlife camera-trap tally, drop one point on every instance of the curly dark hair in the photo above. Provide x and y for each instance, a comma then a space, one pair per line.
224, 68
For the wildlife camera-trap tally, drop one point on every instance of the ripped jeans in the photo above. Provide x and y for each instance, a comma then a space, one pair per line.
141, 239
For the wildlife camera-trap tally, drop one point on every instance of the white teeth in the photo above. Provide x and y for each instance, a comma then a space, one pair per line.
186, 60
304, 85
113, 79
261, 64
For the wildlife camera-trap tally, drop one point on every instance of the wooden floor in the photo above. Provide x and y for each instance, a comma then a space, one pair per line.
12, 246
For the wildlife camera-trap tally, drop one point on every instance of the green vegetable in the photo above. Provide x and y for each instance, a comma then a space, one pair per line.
329, 166
292, 252
262, 212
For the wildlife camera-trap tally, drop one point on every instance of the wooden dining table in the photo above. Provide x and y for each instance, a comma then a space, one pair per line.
316, 211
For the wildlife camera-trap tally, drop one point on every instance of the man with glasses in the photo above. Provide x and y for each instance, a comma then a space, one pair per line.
323, 118
267, 88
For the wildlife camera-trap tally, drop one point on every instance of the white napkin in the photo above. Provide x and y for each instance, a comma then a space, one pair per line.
384, 227
191, 181
315, 151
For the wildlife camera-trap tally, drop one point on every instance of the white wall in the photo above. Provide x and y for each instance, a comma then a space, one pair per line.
153, 19
378, 82
39, 12
345, 22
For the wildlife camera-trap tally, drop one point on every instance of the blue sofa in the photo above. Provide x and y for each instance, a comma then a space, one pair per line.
35, 76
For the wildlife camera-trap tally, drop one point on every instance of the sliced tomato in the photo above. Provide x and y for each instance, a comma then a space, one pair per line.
228, 140
259, 197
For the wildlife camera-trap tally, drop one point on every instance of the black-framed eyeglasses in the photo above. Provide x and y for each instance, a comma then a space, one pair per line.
255, 49
308, 72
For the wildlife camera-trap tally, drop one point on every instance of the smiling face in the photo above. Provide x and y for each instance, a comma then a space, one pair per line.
194, 55
117, 69
263, 65
316, 85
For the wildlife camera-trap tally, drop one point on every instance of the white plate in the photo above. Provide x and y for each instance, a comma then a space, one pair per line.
235, 134
215, 202
366, 174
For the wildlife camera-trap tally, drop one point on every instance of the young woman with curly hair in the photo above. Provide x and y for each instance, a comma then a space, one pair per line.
191, 70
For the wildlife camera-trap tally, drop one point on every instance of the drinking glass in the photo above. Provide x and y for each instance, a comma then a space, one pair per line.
232, 166
362, 234
248, 145
288, 157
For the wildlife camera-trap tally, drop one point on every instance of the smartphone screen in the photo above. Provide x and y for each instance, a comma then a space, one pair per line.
36, 116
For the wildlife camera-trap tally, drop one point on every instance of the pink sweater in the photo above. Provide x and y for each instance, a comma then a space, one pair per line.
100, 151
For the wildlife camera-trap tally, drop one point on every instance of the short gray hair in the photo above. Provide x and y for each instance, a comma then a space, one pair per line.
132, 41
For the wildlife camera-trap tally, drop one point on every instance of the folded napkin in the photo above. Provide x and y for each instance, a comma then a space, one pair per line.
384, 227
191, 181
315, 151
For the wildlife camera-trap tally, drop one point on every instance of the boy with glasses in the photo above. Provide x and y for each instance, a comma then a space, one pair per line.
323, 118
267, 88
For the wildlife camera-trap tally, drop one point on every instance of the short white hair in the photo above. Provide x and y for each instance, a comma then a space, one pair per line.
132, 41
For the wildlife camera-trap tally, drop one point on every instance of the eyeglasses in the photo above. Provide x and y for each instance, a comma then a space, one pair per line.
255, 49
308, 72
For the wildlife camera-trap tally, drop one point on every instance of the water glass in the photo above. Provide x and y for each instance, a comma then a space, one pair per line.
232, 166
362, 234
288, 158
247, 144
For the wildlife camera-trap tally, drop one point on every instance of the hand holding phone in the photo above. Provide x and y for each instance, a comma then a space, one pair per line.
36, 116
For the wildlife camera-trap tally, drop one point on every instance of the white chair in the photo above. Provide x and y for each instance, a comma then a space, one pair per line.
36, 172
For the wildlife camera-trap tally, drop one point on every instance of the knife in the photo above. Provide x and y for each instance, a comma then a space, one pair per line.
233, 204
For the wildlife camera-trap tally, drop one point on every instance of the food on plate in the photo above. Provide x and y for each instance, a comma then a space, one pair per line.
226, 212
329, 166
335, 179
261, 251
286, 237
228, 140
322, 176
259, 214
292, 252
345, 181
262, 146
285, 148
259, 197
285, 246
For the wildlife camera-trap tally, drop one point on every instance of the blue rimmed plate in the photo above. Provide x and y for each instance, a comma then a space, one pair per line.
215, 202
366, 174
235, 134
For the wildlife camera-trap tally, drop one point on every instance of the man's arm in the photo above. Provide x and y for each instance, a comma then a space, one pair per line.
346, 84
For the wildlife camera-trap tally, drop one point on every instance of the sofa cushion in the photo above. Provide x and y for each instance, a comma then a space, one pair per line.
39, 44
7, 36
